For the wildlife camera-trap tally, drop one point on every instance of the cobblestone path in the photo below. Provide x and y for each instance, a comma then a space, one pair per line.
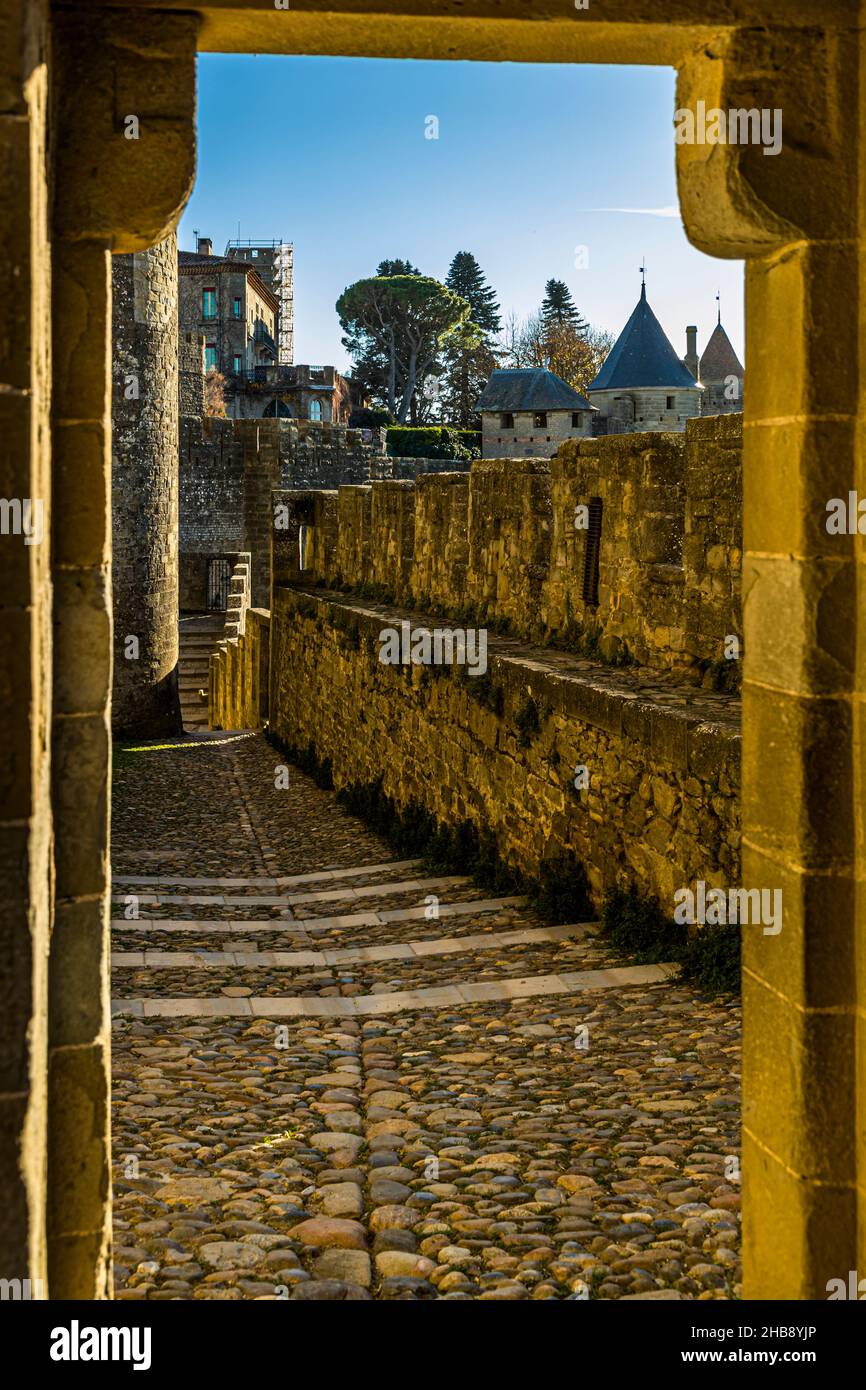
337, 1077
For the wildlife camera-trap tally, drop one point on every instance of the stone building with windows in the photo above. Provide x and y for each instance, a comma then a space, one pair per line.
227, 302
529, 412
241, 304
274, 263
298, 392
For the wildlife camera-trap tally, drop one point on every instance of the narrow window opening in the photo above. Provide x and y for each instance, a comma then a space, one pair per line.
592, 554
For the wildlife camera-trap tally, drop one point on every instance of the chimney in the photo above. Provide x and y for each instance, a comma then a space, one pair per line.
205, 246
690, 361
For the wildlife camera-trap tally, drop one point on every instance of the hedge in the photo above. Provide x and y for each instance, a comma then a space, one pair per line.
433, 442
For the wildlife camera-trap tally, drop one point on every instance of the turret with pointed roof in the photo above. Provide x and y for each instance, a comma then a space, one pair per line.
642, 356
721, 373
642, 384
719, 360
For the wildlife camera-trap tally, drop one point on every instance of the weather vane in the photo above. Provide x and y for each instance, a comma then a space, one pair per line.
643, 271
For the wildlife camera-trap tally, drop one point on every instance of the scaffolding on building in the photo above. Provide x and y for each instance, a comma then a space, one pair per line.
285, 293
274, 262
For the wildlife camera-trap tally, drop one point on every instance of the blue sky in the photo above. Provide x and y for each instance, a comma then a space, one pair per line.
330, 153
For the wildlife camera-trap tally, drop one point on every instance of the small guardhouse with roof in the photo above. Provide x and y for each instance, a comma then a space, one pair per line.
528, 412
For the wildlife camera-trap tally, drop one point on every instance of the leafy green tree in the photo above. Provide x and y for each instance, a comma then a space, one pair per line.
466, 278
468, 361
559, 307
399, 323
371, 366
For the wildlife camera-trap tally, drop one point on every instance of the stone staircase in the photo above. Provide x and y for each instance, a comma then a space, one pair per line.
343, 943
199, 635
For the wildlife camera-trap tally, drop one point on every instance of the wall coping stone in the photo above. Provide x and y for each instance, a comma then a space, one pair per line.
682, 725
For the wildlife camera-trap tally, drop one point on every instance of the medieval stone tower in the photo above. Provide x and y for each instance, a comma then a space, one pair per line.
642, 385
144, 492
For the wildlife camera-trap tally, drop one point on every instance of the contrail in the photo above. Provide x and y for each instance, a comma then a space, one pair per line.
642, 212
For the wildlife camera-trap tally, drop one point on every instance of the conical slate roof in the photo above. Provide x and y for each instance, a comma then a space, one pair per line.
642, 356
719, 359
529, 388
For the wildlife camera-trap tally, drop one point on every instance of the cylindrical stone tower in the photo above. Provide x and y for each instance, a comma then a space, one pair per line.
145, 488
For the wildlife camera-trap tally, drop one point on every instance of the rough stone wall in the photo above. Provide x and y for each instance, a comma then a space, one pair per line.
715, 401
211, 487
145, 492
191, 373
239, 676
713, 536
228, 469
441, 541
352, 558
499, 545
509, 540
671, 545
392, 515
639, 482
661, 807
29, 925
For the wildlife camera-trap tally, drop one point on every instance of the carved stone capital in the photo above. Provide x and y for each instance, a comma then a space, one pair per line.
124, 124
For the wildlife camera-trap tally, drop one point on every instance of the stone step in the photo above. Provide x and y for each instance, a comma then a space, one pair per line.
375, 1005
332, 969
412, 885
348, 926
306, 960
286, 881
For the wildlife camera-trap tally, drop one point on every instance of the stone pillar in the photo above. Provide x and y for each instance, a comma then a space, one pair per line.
25, 637
794, 216
112, 193
144, 480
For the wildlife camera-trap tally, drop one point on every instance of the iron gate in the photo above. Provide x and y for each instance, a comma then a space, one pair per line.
219, 574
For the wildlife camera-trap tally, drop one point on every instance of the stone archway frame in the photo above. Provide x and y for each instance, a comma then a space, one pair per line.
798, 221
